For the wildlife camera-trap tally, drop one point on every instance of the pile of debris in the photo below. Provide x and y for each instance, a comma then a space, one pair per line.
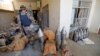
52, 43
14, 43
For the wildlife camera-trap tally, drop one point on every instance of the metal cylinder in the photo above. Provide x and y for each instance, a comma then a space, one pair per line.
63, 37
58, 38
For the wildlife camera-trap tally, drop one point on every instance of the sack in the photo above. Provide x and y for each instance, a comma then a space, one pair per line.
50, 48
2, 42
18, 43
3, 49
40, 33
50, 35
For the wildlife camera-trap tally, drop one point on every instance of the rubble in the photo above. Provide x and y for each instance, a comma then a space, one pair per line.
17, 44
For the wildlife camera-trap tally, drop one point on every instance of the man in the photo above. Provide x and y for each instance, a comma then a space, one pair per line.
29, 25
26, 21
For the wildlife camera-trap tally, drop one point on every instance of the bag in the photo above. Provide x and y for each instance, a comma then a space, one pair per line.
50, 48
18, 43
50, 35
40, 33
2, 42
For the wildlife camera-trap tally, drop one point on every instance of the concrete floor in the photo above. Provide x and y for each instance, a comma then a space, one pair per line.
28, 51
76, 49
86, 50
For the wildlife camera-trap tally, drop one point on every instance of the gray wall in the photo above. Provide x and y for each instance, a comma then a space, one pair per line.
5, 20
54, 13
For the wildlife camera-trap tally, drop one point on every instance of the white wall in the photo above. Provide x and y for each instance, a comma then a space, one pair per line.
44, 2
94, 22
91, 13
65, 14
54, 12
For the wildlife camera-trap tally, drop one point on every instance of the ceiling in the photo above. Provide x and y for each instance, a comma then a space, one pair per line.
27, 0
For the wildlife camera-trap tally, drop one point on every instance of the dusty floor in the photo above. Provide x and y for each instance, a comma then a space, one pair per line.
28, 51
86, 50
77, 50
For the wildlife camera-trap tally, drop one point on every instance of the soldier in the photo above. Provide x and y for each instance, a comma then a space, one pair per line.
26, 21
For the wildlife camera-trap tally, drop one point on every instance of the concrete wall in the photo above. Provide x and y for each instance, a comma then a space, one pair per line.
45, 2
54, 12
59, 13
5, 20
94, 23
65, 14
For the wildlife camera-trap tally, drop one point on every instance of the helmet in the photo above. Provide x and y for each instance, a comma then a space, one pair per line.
22, 6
